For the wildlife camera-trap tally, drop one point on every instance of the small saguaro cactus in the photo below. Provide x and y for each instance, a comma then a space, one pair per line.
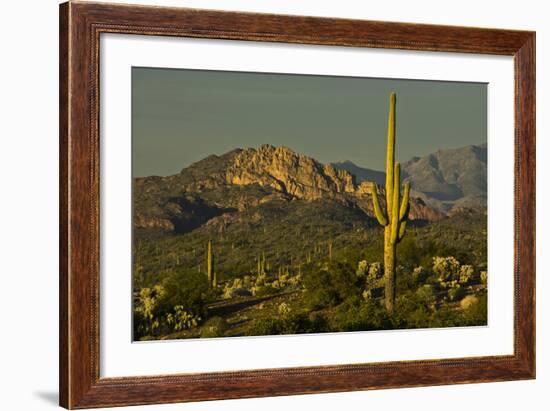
210, 264
262, 265
394, 216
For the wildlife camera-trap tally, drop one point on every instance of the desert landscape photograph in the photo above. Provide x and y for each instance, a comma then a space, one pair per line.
276, 204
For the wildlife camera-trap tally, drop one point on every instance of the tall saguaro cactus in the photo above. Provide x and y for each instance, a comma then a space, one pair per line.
394, 216
210, 265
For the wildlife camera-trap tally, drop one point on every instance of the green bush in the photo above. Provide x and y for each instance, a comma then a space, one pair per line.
265, 290
146, 310
174, 305
414, 251
264, 326
447, 268
457, 293
299, 323
184, 288
426, 294
420, 275
330, 286
318, 291
466, 274
358, 315
412, 310
483, 277
214, 327
180, 319
476, 314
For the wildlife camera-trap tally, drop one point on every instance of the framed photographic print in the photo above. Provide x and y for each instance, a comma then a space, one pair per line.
257, 205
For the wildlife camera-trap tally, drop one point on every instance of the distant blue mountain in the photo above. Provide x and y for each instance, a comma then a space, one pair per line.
446, 180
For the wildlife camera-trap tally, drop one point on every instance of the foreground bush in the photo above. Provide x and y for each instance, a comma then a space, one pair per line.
214, 327
176, 304
299, 323
331, 285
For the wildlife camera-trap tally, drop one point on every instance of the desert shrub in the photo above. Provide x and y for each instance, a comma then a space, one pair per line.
367, 295
475, 313
146, 310
447, 268
405, 281
327, 288
420, 309
295, 324
375, 271
318, 291
295, 280
374, 316
468, 301
343, 280
410, 252
414, 251
240, 287
214, 327
362, 268
283, 309
317, 322
466, 274
483, 277
372, 271
446, 316
371, 276
285, 280
264, 290
412, 310
298, 323
188, 289
426, 295
174, 305
356, 314
346, 317
456, 293
420, 274
180, 319
264, 326
247, 282
261, 279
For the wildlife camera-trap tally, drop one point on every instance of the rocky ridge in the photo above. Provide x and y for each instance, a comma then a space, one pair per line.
244, 178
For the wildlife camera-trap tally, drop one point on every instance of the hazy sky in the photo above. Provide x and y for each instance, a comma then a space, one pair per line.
182, 116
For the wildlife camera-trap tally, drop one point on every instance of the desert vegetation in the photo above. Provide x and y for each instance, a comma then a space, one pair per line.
266, 241
298, 284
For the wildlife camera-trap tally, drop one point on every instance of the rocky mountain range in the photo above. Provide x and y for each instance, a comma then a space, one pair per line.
224, 190
446, 180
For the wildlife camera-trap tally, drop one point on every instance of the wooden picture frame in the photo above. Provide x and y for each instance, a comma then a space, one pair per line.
80, 27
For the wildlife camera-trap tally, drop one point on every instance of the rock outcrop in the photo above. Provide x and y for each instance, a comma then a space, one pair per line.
286, 171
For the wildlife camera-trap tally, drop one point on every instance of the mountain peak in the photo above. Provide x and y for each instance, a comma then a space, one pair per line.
444, 179
287, 171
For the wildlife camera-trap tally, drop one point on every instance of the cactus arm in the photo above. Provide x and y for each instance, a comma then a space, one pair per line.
394, 219
404, 210
380, 215
402, 227
390, 159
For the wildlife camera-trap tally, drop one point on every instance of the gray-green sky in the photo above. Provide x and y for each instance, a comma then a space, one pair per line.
181, 116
